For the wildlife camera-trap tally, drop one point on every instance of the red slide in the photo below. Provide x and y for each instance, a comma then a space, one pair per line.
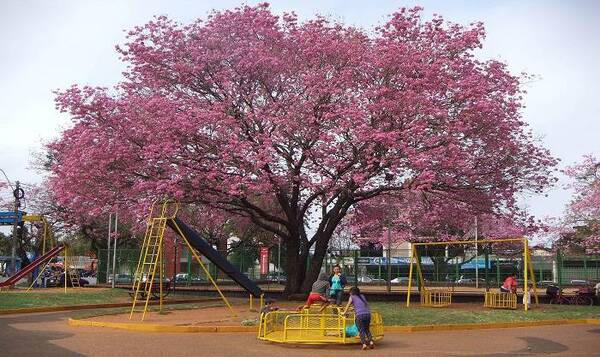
34, 264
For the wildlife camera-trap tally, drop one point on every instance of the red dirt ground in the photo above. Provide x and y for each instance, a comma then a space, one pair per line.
49, 335
213, 313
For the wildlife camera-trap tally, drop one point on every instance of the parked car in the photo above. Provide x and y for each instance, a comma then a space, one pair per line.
272, 277
545, 283
82, 282
581, 282
58, 281
121, 279
181, 278
370, 280
87, 273
403, 280
463, 280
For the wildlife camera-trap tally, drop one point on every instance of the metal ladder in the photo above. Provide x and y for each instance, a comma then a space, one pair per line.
74, 278
71, 273
151, 257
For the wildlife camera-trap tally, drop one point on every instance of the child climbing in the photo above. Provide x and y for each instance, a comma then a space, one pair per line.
362, 316
318, 292
510, 284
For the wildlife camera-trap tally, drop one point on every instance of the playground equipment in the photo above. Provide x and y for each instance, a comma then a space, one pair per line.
443, 297
43, 259
500, 300
144, 284
436, 298
8, 219
71, 275
311, 327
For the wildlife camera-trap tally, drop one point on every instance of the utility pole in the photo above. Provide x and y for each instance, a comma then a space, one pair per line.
114, 262
108, 247
18, 193
389, 258
476, 256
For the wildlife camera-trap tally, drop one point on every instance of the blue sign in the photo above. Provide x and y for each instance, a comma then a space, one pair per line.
472, 264
8, 218
393, 261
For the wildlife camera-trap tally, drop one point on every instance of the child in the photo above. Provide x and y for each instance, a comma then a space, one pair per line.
362, 316
527, 295
510, 284
269, 306
337, 282
318, 292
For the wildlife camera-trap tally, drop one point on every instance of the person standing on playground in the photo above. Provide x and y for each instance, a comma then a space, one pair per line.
337, 281
362, 317
318, 293
510, 284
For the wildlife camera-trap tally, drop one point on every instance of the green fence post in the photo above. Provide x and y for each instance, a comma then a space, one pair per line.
487, 279
456, 272
189, 267
356, 268
558, 268
585, 267
421, 268
498, 281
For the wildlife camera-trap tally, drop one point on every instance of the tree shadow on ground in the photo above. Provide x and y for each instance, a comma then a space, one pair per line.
18, 342
383, 344
535, 346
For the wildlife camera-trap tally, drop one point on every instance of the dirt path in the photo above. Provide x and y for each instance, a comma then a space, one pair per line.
49, 335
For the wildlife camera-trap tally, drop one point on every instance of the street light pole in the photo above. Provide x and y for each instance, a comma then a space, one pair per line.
108, 247
476, 255
389, 259
13, 249
114, 262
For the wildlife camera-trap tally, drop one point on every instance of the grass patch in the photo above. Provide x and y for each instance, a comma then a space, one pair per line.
398, 314
57, 297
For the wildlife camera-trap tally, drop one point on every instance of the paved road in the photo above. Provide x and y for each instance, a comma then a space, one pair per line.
48, 334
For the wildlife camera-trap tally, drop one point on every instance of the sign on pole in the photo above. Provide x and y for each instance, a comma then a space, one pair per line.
264, 260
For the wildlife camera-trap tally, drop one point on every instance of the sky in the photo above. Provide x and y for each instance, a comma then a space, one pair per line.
48, 45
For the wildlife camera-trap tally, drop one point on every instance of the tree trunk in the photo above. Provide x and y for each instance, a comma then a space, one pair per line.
295, 266
300, 277
316, 262
222, 249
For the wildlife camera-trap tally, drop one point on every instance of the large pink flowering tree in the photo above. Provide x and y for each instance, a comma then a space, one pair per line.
290, 124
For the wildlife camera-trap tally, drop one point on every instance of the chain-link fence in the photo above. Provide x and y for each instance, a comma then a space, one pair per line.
440, 266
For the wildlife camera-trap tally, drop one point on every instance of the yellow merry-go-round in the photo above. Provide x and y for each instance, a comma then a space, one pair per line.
311, 326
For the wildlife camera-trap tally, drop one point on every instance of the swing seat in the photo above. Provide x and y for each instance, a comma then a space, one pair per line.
435, 298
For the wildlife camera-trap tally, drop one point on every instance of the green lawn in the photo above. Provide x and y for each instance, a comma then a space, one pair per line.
20, 299
394, 313
399, 314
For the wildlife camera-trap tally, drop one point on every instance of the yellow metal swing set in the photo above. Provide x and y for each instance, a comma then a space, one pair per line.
497, 300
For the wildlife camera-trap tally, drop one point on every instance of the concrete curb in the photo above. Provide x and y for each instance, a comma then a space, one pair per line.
487, 326
95, 306
141, 327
